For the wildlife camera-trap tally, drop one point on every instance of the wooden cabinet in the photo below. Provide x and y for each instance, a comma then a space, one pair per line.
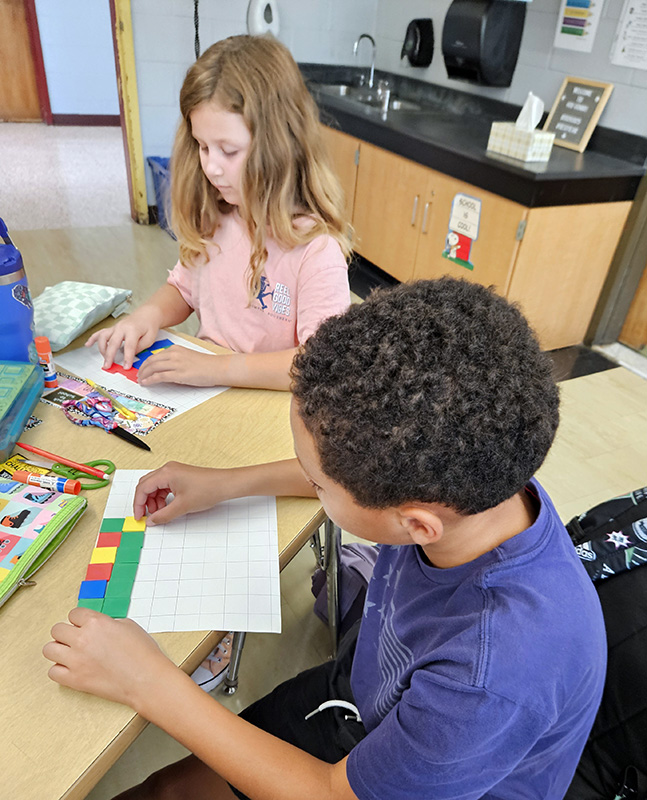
552, 260
389, 197
492, 252
344, 155
562, 262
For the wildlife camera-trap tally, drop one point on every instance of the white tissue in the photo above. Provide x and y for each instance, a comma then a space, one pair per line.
530, 114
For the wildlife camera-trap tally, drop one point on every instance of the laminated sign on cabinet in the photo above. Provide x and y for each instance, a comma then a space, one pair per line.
463, 229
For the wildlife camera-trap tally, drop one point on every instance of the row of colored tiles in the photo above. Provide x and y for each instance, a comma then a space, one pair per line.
113, 566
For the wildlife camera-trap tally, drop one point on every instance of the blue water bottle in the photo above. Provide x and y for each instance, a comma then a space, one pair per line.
16, 310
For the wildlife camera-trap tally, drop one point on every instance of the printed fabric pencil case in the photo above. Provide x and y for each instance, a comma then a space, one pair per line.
33, 523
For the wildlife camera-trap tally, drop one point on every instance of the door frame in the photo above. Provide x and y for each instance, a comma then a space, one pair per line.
624, 275
122, 37
37, 58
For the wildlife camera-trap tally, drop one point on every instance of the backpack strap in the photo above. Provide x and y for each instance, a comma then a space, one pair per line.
633, 785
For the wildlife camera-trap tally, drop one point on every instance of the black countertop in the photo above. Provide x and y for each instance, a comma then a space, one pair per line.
450, 135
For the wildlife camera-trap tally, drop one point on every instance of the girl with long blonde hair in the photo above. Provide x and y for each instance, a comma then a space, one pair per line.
258, 216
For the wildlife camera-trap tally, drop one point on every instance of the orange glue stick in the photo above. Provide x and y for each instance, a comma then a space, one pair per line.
46, 360
47, 481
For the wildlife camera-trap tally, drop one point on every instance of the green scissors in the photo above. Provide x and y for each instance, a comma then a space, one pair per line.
87, 481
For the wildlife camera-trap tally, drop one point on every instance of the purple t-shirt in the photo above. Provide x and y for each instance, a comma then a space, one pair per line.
482, 680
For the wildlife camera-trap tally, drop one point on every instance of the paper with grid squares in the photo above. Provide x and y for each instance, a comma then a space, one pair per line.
87, 362
212, 570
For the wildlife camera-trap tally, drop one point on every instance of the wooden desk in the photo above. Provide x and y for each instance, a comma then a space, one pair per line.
57, 742
599, 450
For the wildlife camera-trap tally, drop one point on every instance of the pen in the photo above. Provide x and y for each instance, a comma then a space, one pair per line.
66, 461
127, 436
66, 485
126, 412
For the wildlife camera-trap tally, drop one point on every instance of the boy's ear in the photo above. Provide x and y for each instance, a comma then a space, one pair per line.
421, 523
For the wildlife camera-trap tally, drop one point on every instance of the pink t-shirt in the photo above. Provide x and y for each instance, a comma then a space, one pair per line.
299, 289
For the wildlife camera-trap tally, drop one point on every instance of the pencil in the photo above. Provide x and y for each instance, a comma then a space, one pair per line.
67, 461
126, 412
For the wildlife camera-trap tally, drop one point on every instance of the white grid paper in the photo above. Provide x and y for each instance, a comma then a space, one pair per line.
212, 570
87, 362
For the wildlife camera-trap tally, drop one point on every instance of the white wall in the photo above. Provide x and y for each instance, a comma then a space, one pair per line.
76, 37
541, 67
323, 31
314, 30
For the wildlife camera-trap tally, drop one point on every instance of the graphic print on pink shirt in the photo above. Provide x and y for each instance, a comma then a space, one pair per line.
299, 289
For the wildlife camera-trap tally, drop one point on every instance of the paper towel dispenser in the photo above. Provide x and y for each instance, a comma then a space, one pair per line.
481, 40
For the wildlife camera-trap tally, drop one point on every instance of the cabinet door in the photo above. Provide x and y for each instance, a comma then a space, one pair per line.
343, 151
563, 261
452, 214
388, 205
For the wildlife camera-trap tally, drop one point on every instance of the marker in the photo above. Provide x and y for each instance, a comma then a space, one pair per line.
47, 481
126, 412
46, 360
84, 468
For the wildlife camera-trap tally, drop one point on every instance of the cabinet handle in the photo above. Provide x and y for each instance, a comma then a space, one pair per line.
415, 210
424, 218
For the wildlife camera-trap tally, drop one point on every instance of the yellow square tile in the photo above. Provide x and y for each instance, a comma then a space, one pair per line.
103, 555
132, 524
3, 573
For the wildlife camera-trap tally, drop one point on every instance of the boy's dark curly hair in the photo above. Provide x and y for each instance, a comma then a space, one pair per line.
434, 391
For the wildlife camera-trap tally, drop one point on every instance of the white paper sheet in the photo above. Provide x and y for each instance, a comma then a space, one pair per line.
87, 362
212, 570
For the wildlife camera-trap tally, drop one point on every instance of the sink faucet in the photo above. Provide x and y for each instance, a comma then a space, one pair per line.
355, 49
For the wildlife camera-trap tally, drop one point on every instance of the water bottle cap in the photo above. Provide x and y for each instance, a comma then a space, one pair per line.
10, 259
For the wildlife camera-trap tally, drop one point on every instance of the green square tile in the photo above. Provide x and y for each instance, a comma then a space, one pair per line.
95, 603
116, 607
132, 538
127, 555
124, 572
111, 525
119, 588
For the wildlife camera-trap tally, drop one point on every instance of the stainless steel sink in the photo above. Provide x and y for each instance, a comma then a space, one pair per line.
366, 96
335, 89
403, 105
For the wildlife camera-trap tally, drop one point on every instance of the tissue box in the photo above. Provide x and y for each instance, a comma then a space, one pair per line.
507, 139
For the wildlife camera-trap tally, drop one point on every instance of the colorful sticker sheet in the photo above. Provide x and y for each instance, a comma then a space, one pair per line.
149, 415
213, 570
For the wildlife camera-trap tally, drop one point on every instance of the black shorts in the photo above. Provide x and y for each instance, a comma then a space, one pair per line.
327, 735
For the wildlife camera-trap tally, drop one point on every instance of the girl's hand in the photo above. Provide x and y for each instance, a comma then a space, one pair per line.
179, 365
112, 658
135, 333
193, 489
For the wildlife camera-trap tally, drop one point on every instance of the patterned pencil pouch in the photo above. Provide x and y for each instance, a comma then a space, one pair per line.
33, 523
64, 311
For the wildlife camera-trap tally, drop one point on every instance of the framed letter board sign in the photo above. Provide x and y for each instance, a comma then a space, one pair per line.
576, 111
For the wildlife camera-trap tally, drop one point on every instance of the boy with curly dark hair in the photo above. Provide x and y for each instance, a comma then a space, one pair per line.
419, 419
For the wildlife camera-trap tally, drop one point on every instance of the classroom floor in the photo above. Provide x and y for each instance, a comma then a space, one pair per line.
64, 191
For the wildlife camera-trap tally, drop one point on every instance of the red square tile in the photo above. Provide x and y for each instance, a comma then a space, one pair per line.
108, 539
98, 572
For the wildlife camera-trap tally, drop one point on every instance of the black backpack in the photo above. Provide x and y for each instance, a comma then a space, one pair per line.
611, 540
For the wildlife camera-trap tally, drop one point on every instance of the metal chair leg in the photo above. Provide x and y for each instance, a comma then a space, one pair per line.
317, 548
331, 566
230, 684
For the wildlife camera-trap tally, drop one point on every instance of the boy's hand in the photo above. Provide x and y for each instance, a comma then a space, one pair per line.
179, 365
112, 658
135, 333
193, 489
